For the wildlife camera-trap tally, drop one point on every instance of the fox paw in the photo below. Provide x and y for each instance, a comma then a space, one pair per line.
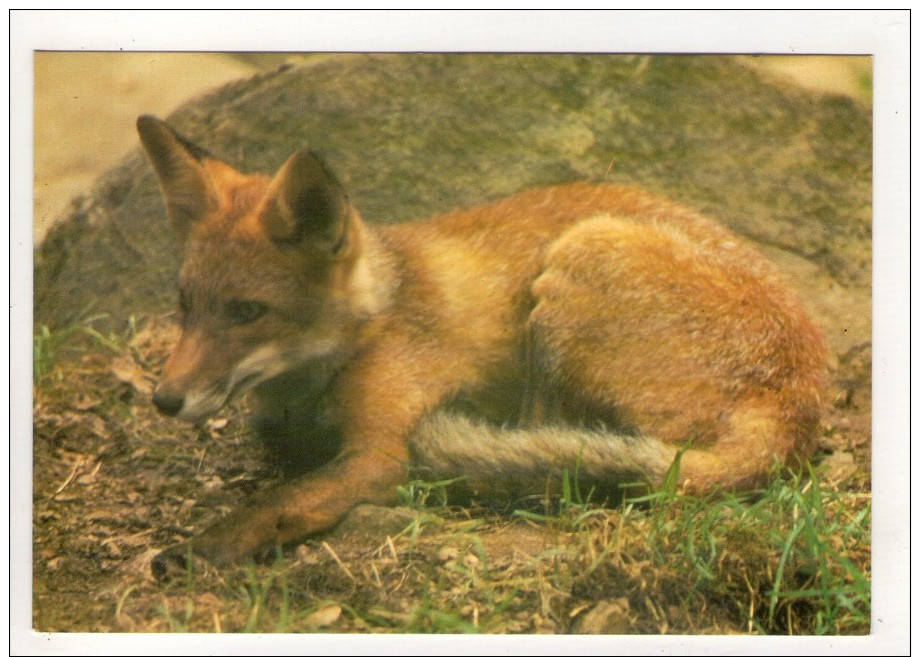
185, 558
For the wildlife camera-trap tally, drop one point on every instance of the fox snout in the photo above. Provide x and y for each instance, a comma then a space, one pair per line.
173, 401
195, 382
207, 371
167, 403
194, 404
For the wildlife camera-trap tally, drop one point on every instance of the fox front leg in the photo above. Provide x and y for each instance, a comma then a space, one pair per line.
312, 503
381, 399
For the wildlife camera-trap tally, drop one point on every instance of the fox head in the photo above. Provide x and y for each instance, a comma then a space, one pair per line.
275, 274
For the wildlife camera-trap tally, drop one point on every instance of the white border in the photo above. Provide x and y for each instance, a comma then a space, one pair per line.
883, 34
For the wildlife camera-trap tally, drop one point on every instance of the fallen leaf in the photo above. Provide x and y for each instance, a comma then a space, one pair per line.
130, 372
607, 617
324, 617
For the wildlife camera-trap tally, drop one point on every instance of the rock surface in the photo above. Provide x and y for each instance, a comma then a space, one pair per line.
414, 135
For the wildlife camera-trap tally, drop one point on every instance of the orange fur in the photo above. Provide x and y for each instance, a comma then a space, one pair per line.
576, 322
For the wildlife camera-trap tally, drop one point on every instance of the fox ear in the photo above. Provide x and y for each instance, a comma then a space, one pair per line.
187, 187
306, 204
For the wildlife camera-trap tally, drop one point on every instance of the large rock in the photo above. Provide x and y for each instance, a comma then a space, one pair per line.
414, 135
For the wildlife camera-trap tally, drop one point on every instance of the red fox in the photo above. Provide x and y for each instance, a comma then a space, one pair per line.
590, 327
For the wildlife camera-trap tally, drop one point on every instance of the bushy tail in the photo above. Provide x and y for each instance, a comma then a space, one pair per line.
495, 460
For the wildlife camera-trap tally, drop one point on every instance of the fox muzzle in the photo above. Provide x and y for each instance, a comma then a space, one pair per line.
168, 404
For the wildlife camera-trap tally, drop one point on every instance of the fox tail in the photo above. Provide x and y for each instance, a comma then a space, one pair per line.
501, 461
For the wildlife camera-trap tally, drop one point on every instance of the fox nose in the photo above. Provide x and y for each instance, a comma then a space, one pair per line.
168, 404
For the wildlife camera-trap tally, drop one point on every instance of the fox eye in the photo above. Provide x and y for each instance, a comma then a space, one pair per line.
244, 312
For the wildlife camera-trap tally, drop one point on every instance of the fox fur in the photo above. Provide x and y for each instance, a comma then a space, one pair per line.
585, 327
